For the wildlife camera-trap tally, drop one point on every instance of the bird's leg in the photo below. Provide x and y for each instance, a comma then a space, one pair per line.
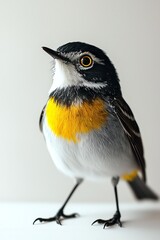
60, 214
117, 216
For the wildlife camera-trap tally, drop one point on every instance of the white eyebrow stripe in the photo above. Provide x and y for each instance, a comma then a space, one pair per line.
75, 55
95, 59
71, 55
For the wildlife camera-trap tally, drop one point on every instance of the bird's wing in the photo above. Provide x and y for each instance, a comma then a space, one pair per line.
41, 118
131, 129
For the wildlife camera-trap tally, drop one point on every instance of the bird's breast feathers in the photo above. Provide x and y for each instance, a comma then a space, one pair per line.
69, 121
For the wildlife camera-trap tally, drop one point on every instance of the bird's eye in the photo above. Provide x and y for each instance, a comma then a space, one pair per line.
86, 61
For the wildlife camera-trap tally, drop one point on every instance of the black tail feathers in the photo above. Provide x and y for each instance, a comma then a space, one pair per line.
141, 190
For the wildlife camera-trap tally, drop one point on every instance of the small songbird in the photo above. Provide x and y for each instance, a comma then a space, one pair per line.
89, 129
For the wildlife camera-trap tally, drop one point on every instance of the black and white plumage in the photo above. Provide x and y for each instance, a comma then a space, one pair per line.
82, 74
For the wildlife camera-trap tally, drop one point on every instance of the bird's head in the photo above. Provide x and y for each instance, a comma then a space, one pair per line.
83, 65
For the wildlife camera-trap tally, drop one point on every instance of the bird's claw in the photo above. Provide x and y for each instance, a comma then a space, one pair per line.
58, 218
111, 221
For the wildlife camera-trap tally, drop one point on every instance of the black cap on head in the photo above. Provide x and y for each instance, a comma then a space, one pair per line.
82, 47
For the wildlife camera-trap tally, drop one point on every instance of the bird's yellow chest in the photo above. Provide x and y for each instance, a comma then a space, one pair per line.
67, 122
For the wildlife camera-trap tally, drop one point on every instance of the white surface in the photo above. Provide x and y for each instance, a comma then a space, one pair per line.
140, 221
129, 32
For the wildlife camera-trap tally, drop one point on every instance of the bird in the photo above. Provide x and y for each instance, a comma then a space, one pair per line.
89, 129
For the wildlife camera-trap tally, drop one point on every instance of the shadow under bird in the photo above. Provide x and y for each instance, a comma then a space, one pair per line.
89, 129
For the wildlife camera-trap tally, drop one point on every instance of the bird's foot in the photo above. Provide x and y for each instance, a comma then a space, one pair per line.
57, 218
115, 220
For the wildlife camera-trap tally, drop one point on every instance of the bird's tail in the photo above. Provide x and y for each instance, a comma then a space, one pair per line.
141, 190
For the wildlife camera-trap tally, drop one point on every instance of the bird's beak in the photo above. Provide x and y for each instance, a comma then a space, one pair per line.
55, 54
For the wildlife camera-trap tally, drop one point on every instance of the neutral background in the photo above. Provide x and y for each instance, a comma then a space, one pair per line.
129, 32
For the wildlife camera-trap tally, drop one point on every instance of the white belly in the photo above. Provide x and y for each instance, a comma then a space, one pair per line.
100, 153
